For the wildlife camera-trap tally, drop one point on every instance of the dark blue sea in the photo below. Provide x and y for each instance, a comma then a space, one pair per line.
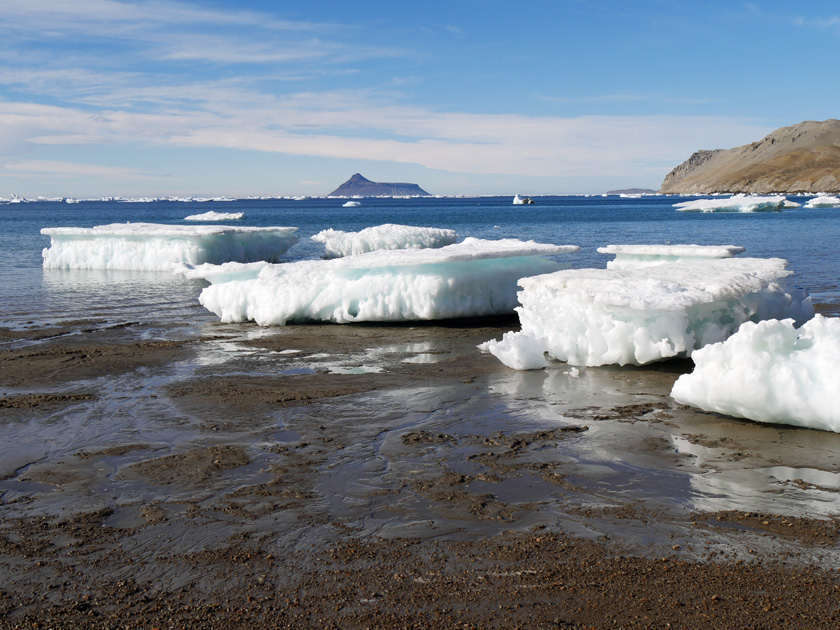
32, 296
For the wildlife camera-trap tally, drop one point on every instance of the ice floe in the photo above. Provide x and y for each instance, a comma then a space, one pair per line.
823, 201
636, 316
351, 204
634, 256
736, 203
473, 278
772, 372
215, 216
388, 236
156, 247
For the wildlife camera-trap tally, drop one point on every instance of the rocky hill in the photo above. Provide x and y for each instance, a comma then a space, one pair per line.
802, 158
358, 186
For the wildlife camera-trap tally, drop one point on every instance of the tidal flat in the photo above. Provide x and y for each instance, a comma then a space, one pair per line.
391, 476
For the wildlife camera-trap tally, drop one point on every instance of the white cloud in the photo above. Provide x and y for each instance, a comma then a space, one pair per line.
457, 142
27, 168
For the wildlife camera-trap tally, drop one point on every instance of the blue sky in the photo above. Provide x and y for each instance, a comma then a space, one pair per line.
106, 97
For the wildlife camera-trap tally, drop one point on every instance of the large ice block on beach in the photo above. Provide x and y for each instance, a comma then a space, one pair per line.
388, 236
156, 247
473, 278
736, 203
636, 316
770, 372
215, 216
634, 256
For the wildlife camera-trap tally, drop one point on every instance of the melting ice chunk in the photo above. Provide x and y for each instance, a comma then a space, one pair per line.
770, 372
216, 274
388, 236
636, 316
473, 278
215, 216
633, 256
823, 201
155, 247
736, 203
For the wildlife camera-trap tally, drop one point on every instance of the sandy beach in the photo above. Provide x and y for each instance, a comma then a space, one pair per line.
391, 477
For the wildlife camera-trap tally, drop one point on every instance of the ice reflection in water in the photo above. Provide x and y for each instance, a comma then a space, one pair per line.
642, 445
727, 481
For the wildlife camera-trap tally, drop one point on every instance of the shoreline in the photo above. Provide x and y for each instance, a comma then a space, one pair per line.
392, 476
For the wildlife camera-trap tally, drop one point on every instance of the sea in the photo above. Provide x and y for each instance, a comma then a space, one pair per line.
31, 296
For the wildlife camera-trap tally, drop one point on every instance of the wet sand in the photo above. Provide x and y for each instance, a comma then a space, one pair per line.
392, 477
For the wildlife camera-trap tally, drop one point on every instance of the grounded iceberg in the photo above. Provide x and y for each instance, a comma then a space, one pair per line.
823, 201
736, 203
636, 316
473, 278
388, 236
634, 256
770, 372
215, 216
155, 247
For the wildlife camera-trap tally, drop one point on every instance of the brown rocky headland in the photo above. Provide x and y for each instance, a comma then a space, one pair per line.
803, 158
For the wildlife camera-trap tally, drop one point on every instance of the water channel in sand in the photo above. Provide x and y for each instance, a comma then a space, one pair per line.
385, 431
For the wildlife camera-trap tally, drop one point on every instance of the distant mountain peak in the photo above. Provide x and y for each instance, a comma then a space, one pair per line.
359, 186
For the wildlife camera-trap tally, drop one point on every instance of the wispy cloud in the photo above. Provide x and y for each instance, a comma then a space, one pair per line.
171, 32
125, 18
628, 97
53, 168
821, 23
459, 142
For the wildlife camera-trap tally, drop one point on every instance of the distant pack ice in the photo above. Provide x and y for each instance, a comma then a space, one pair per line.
736, 203
770, 372
215, 216
155, 247
636, 316
388, 236
634, 256
473, 278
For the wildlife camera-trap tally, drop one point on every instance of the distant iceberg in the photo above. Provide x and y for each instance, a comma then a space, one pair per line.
635, 256
469, 279
215, 216
519, 201
823, 201
155, 247
770, 372
351, 204
387, 236
736, 203
636, 316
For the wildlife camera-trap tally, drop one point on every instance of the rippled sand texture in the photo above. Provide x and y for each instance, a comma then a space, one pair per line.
310, 476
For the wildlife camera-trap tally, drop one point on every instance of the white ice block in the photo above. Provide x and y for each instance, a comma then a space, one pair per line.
473, 278
156, 247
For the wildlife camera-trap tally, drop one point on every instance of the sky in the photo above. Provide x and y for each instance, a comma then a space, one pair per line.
464, 97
